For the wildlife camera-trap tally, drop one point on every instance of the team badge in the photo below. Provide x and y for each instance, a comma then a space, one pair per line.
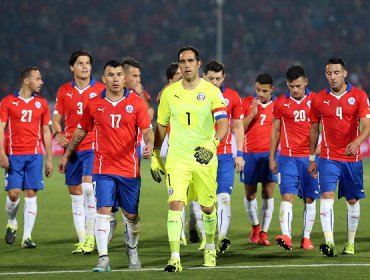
170, 191
227, 102
92, 95
309, 104
38, 104
351, 101
201, 96
129, 109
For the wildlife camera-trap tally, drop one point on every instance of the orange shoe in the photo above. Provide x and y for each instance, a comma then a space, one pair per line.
284, 241
262, 239
306, 244
254, 234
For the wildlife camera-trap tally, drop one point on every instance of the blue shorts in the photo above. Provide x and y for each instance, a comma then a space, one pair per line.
138, 151
225, 173
295, 179
80, 164
113, 191
25, 172
256, 169
349, 175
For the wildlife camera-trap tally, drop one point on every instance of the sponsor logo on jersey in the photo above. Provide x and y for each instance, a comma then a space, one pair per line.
351, 101
201, 96
38, 104
287, 105
101, 109
178, 97
129, 109
70, 95
93, 94
327, 102
15, 103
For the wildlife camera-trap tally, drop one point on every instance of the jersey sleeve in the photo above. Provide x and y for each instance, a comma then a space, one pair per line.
4, 110
218, 106
143, 119
46, 116
364, 106
237, 112
59, 103
246, 106
314, 113
163, 110
86, 121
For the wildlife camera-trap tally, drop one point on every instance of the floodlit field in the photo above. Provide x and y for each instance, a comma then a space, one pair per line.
54, 235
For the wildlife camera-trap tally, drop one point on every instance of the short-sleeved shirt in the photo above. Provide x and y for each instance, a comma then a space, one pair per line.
257, 135
192, 114
24, 120
116, 124
295, 124
340, 119
234, 111
70, 103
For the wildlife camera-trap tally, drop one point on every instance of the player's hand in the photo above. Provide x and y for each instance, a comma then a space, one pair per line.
156, 166
61, 140
239, 163
273, 166
203, 154
312, 169
49, 168
147, 151
4, 161
352, 148
62, 165
254, 110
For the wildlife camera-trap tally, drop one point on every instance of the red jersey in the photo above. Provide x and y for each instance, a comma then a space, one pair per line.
295, 124
147, 97
24, 120
70, 103
116, 126
340, 120
257, 136
234, 111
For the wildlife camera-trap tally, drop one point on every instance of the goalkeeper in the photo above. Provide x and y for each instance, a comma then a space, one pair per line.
191, 105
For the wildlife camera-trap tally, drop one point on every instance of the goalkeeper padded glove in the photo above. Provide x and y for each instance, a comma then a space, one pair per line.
156, 166
204, 154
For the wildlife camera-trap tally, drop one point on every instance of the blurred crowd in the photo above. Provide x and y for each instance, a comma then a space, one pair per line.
259, 36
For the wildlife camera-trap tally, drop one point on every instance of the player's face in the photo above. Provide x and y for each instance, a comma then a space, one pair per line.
176, 77
188, 65
336, 75
264, 92
133, 78
216, 78
297, 87
82, 68
114, 79
34, 81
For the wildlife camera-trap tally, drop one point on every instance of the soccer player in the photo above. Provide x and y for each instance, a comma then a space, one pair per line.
258, 124
215, 73
340, 108
191, 105
115, 115
290, 127
71, 99
25, 117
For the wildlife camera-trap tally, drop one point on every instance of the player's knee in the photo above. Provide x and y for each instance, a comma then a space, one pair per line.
352, 201
130, 217
207, 210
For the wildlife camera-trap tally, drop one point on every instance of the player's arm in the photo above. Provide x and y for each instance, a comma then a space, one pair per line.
353, 146
148, 136
48, 150
254, 110
57, 131
222, 128
239, 139
314, 137
156, 166
274, 142
4, 160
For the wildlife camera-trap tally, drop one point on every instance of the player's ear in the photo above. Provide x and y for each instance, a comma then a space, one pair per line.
345, 73
199, 63
306, 82
103, 79
71, 68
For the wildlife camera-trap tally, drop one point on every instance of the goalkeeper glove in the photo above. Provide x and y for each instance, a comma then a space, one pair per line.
156, 166
204, 154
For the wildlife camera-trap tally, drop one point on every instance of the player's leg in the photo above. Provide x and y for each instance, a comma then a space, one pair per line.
192, 223
128, 200
183, 236
105, 190
199, 221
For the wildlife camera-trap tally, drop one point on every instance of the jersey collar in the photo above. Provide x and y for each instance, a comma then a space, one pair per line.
126, 93
307, 92
16, 93
92, 82
349, 88
222, 88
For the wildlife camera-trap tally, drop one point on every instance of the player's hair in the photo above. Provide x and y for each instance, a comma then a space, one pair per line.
77, 54
130, 62
112, 63
26, 72
264, 79
171, 70
214, 66
188, 48
336, 60
294, 73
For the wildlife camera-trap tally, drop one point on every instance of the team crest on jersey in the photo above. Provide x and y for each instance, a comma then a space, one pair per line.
201, 96
170, 191
309, 104
351, 101
38, 104
227, 101
129, 109
93, 94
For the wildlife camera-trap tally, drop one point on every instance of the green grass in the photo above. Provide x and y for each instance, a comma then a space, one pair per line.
54, 235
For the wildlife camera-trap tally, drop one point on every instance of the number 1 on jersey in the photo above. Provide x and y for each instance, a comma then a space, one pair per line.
188, 113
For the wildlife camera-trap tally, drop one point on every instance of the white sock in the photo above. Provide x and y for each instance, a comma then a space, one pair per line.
183, 223
102, 228
78, 213
30, 213
309, 216
286, 217
90, 207
266, 213
251, 209
192, 223
327, 219
12, 209
199, 218
132, 231
353, 217
223, 214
